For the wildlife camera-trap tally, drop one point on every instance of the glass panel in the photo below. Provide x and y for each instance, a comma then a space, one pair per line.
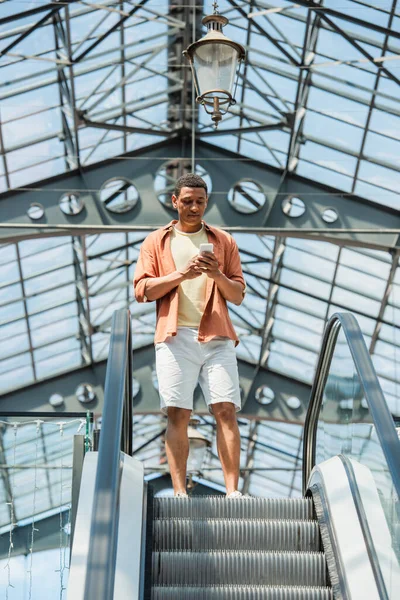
215, 66
346, 427
35, 492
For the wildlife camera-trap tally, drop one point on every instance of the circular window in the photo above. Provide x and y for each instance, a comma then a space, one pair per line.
119, 195
35, 211
56, 400
264, 395
293, 207
85, 393
329, 215
135, 387
293, 402
346, 404
71, 204
247, 196
167, 175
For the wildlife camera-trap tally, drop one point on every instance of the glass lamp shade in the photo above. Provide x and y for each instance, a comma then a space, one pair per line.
214, 61
197, 450
214, 67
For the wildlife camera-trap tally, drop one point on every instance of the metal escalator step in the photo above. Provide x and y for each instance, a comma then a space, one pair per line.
199, 507
240, 592
232, 567
238, 534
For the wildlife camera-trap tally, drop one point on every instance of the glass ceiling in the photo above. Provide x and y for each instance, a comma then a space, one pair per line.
48, 307
83, 81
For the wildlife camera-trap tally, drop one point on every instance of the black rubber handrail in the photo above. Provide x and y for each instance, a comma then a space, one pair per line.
373, 394
116, 436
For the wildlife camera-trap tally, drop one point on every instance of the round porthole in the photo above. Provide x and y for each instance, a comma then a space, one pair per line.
56, 400
293, 207
293, 402
346, 404
71, 204
85, 393
329, 215
119, 195
264, 395
247, 196
135, 387
168, 173
35, 211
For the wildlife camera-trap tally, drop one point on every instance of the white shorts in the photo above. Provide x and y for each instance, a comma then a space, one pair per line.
182, 362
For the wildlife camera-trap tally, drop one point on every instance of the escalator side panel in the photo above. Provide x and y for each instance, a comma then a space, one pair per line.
129, 548
350, 569
80, 550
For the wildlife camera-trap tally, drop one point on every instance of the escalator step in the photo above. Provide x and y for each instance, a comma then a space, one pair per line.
238, 534
241, 592
199, 507
236, 567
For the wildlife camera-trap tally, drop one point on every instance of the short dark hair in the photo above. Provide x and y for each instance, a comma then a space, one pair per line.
190, 180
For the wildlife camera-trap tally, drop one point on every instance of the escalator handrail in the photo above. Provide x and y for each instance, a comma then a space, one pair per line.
116, 435
382, 419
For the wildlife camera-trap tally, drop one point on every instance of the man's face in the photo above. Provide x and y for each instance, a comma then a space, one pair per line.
191, 205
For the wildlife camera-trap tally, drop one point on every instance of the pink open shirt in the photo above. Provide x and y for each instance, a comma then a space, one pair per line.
155, 260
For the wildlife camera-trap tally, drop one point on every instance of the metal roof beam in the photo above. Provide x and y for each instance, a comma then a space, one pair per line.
272, 298
82, 298
335, 91
261, 30
385, 301
303, 90
372, 104
356, 45
82, 55
250, 129
125, 128
345, 16
34, 11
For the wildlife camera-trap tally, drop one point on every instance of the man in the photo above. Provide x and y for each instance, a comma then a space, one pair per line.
194, 337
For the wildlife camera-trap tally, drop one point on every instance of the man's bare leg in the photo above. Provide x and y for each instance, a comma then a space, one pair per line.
228, 443
177, 446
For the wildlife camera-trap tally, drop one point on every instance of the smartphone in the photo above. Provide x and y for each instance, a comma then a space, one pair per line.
206, 248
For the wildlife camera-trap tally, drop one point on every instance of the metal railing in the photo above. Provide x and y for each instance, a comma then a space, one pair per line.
116, 436
382, 419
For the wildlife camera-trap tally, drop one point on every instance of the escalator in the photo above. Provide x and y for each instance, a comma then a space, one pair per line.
339, 541
209, 548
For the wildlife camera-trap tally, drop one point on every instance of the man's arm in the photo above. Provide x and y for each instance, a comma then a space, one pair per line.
231, 290
157, 287
149, 287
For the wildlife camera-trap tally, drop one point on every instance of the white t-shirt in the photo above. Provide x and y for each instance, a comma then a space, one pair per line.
192, 292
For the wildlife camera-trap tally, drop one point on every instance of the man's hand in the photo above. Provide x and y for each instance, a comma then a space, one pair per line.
207, 263
191, 269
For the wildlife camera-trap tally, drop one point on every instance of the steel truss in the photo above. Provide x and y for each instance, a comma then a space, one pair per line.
78, 114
